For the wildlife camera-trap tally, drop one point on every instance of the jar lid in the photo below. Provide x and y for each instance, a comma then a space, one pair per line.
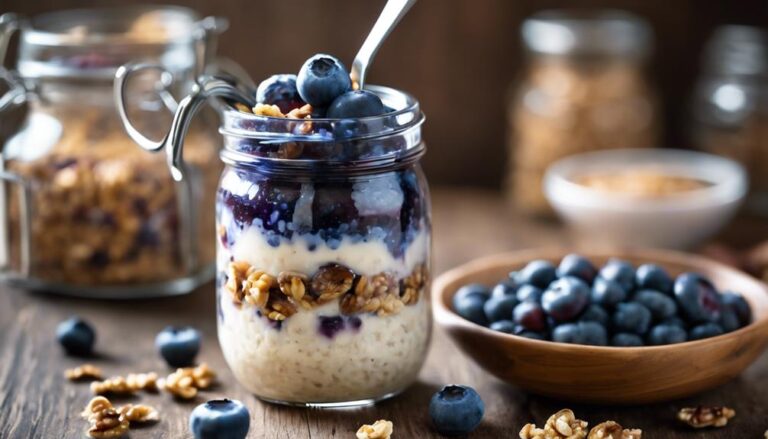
587, 32
737, 50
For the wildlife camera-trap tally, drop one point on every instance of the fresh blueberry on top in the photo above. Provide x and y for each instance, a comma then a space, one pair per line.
178, 346
653, 277
631, 317
469, 302
506, 287
697, 298
355, 104
539, 273
322, 79
620, 272
589, 333
279, 90
505, 326
530, 315
456, 410
220, 419
529, 293
625, 339
565, 298
76, 336
595, 313
660, 305
739, 306
607, 293
706, 330
577, 266
666, 334
499, 307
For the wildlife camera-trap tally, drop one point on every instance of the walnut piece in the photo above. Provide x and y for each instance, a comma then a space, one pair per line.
139, 413
142, 381
375, 294
700, 417
302, 112
294, 285
331, 281
267, 110
84, 372
185, 382
561, 425
96, 405
117, 385
381, 429
108, 423
613, 430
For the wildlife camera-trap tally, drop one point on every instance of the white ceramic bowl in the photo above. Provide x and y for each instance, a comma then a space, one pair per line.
675, 221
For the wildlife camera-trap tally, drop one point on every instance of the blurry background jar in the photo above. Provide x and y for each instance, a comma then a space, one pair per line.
730, 104
584, 89
86, 211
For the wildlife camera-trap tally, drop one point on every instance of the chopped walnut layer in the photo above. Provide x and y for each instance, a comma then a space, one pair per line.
185, 382
613, 430
84, 372
561, 425
331, 281
381, 429
375, 294
700, 417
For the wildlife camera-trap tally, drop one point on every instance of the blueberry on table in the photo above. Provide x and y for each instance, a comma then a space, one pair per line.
504, 288
469, 303
666, 334
499, 308
565, 298
595, 313
539, 273
626, 340
739, 305
529, 293
653, 277
76, 336
530, 315
706, 330
660, 305
220, 419
587, 333
577, 266
505, 326
632, 317
355, 104
607, 293
697, 298
279, 90
322, 79
178, 346
456, 410
620, 272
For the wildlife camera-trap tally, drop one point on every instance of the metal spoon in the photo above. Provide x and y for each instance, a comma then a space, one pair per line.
393, 11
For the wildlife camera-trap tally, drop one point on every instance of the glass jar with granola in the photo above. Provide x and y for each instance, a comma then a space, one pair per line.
87, 212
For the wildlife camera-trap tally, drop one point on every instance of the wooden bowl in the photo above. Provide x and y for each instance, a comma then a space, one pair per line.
606, 374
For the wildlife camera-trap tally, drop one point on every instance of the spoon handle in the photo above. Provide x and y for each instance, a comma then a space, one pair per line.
393, 11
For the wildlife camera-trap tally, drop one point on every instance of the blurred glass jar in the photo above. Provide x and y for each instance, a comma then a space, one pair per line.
584, 89
730, 104
85, 212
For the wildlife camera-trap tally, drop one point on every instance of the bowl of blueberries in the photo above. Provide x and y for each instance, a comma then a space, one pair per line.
627, 327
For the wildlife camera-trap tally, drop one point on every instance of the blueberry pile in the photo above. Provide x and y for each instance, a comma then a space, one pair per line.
617, 305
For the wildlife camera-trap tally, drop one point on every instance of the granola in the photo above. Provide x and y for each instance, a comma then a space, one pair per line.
613, 430
84, 372
381, 429
700, 417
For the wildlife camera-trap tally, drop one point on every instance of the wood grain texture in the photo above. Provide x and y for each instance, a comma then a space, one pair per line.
37, 402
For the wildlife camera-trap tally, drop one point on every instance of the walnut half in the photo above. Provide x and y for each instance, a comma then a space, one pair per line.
561, 425
381, 429
700, 417
613, 430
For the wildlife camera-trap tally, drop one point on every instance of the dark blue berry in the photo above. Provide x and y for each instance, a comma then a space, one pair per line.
607, 293
330, 326
739, 305
620, 272
279, 90
456, 410
220, 419
697, 298
660, 305
625, 339
178, 346
632, 317
595, 313
706, 330
469, 302
76, 336
532, 335
530, 315
479, 291
529, 293
589, 333
728, 319
506, 326
499, 307
322, 79
355, 104
504, 288
565, 298
577, 266
538, 273
675, 321
666, 334
653, 277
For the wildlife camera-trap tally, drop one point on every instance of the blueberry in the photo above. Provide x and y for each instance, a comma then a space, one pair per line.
479, 291
346, 129
632, 317
595, 313
607, 293
577, 266
625, 339
567, 333
322, 79
506, 326
666, 334
538, 273
220, 419
660, 305
469, 301
532, 335
739, 305
178, 346
355, 104
653, 277
675, 321
565, 298
529, 293
530, 315
589, 333
697, 298
499, 308
330, 326
279, 90
620, 272
456, 410
706, 330
76, 336
504, 288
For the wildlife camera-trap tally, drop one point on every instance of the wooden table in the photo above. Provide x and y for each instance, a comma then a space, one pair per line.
37, 402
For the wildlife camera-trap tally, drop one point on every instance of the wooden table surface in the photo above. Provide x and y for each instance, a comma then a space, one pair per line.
37, 402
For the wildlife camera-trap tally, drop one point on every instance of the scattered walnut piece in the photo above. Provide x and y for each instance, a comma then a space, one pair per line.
108, 423
142, 381
267, 110
116, 385
139, 413
84, 372
381, 429
561, 425
700, 417
96, 405
185, 382
613, 430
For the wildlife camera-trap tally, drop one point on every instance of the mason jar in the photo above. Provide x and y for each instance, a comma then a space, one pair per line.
87, 212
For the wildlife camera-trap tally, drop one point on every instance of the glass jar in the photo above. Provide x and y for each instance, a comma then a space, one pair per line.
88, 213
584, 89
323, 251
730, 104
